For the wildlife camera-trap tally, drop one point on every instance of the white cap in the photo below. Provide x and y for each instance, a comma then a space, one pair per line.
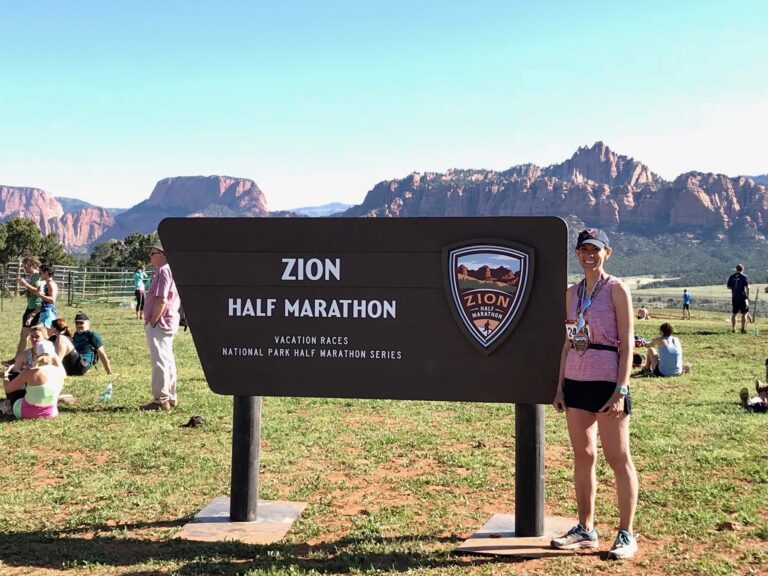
45, 347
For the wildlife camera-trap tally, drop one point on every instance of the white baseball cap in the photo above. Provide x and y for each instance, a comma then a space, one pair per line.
45, 347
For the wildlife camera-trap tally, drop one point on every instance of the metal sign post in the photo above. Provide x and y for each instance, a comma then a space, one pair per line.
529, 466
246, 435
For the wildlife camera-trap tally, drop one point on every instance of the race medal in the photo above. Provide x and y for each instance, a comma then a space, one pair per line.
581, 341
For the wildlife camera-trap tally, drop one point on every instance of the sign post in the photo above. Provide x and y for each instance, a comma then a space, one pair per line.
246, 435
449, 309
529, 463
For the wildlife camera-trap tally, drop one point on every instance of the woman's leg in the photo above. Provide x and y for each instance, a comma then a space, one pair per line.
614, 436
582, 429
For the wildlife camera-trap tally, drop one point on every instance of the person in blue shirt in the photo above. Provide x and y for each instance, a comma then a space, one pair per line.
89, 347
665, 354
139, 284
686, 304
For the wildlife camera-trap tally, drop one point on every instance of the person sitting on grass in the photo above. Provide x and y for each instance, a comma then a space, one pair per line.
668, 359
643, 313
28, 355
39, 386
89, 346
757, 403
65, 349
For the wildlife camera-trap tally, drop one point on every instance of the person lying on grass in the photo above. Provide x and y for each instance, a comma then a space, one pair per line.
757, 403
665, 354
39, 386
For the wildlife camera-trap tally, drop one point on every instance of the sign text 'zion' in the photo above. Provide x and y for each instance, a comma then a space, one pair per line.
312, 269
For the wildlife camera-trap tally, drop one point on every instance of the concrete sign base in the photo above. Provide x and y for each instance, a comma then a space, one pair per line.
212, 524
497, 538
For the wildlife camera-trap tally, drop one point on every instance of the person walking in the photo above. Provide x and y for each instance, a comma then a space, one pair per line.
31, 285
686, 304
593, 390
48, 294
738, 284
161, 323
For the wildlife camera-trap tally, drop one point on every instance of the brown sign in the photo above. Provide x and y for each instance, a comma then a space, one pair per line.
412, 308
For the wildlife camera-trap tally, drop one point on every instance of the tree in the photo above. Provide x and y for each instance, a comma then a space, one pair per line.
137, 247
128, 253
51, 252
110, 254
22, 239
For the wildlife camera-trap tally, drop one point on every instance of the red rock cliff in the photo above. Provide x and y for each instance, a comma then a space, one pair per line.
32, 203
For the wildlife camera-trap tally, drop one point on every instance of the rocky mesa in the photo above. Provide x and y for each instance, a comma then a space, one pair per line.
191, 196
80, 228
595, 186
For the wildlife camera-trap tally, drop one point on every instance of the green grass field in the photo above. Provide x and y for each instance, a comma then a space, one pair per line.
392, 487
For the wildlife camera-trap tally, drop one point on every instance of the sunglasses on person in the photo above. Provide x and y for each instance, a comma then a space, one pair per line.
155, 253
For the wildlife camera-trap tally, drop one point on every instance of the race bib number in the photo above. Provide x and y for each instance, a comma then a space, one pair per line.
570, 329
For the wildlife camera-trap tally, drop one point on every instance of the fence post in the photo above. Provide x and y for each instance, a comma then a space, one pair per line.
18, 278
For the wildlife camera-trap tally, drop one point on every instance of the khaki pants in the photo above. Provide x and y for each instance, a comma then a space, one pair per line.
160, 345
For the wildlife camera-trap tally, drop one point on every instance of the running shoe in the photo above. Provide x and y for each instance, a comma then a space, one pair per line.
744, 397
623, 547
576, 537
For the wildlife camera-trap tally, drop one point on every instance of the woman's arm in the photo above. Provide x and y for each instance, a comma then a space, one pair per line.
622, 303
658, 341
24, 378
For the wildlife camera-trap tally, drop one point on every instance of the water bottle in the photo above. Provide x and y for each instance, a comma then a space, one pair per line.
107, 393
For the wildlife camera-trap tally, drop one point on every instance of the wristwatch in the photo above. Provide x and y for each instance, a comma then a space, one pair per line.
623, 390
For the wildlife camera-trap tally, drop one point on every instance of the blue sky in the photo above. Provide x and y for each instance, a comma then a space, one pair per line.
319, 101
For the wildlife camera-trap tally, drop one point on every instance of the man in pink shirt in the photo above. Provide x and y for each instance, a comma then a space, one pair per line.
161, 322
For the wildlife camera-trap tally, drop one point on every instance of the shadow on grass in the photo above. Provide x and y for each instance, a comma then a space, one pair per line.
74, 408
707, 333
64, 549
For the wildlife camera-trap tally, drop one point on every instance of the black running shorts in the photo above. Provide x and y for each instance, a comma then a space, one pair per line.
591, 395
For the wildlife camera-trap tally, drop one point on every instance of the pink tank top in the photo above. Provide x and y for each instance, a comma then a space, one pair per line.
594, 364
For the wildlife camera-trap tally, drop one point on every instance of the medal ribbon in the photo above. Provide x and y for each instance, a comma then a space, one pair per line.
584, 304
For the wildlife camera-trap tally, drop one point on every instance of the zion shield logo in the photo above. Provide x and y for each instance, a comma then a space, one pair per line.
488, 285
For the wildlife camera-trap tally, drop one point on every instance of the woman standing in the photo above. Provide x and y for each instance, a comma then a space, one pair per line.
48, 294
593, 390
139, 283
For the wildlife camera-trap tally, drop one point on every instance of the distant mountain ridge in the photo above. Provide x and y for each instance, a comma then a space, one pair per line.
596, 186
324, 210
81, 225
